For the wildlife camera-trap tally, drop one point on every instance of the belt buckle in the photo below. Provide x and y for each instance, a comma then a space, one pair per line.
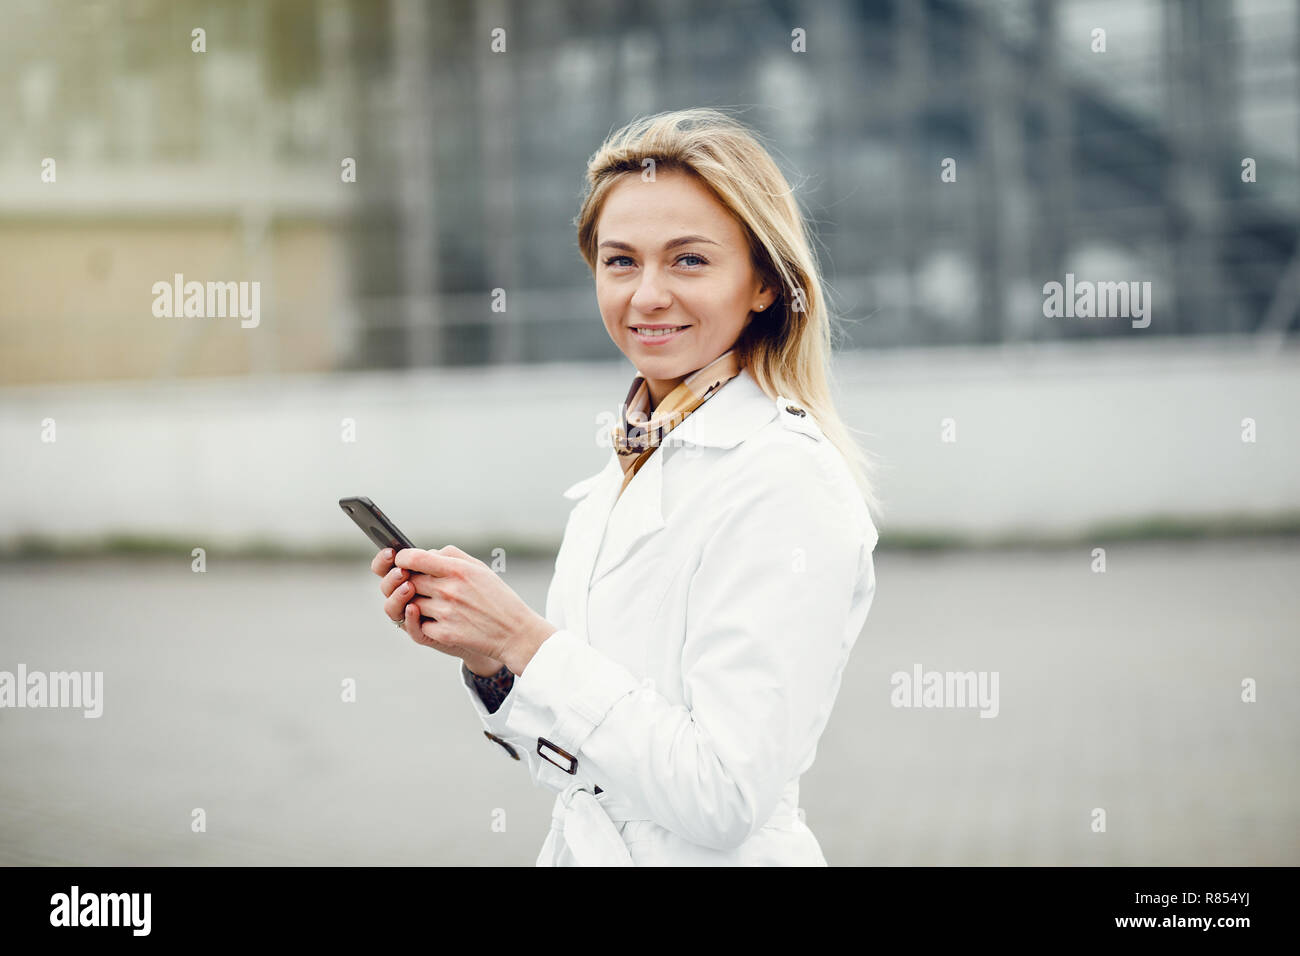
573, 761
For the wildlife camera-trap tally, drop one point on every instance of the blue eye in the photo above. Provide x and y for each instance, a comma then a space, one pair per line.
688, 255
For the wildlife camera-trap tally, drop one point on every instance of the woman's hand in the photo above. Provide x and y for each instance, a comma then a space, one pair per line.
396, 588
472, 610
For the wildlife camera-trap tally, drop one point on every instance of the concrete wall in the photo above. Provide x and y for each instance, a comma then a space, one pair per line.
1049, 441
78, 297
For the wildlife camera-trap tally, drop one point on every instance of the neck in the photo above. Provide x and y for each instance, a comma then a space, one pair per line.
659, 389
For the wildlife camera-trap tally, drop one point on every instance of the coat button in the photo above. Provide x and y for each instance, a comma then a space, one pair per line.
510, 750
795, 410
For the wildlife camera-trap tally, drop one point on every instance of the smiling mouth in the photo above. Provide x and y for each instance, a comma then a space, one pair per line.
657, 333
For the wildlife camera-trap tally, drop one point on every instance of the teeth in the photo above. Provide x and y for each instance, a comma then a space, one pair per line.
654, 332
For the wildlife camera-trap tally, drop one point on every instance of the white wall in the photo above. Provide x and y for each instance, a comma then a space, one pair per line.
1049, 440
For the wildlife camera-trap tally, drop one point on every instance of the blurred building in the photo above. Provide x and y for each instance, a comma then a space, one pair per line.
227, 165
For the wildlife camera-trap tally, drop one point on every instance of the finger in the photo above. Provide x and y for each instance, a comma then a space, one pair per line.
382, 562
397, 601
456, 552
425, 584
392, 580
418, 627
431, 633
429, 608
430, 562
411, 621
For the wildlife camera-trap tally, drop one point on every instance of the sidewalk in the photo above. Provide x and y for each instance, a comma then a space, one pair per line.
222, 692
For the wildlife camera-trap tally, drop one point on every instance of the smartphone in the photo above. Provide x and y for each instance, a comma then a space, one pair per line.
375, 523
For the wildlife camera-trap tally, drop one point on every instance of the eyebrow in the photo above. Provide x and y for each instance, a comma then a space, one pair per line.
670, 244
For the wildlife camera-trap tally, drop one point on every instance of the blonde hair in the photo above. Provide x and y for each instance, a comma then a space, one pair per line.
787, 346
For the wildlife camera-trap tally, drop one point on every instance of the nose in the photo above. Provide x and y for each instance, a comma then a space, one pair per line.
651, 294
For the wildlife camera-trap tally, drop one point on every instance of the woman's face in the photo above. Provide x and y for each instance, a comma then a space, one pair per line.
669, 254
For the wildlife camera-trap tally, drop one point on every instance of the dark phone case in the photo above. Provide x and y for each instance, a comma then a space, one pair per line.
374, 523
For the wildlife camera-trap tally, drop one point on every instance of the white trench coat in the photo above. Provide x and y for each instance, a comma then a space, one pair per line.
705, 618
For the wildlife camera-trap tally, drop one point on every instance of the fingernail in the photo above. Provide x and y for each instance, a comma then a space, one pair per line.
403, 589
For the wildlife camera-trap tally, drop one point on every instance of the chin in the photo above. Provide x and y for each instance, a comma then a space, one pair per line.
664, 366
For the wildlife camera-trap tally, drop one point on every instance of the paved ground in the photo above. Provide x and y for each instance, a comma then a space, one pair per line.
222, 691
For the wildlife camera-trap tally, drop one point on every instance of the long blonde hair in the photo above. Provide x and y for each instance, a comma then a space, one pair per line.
787, 346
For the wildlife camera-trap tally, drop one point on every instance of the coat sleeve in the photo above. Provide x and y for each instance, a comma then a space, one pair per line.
491, 690
776, 602
496, 723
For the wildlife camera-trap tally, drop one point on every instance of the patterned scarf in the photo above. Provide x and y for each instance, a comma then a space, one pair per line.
638, 434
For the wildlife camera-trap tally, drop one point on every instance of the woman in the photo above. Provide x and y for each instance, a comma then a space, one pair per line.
714, 576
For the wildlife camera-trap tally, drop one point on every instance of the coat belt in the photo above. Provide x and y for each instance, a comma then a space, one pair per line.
588, 824
588, 829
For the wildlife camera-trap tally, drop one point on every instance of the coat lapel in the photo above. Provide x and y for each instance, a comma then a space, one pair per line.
636, 515
585, 535
725, 420
621, 523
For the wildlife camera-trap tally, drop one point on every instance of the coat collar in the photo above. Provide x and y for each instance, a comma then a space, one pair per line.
738, 410
735, 413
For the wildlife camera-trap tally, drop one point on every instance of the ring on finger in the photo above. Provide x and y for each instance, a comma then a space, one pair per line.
401, 622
